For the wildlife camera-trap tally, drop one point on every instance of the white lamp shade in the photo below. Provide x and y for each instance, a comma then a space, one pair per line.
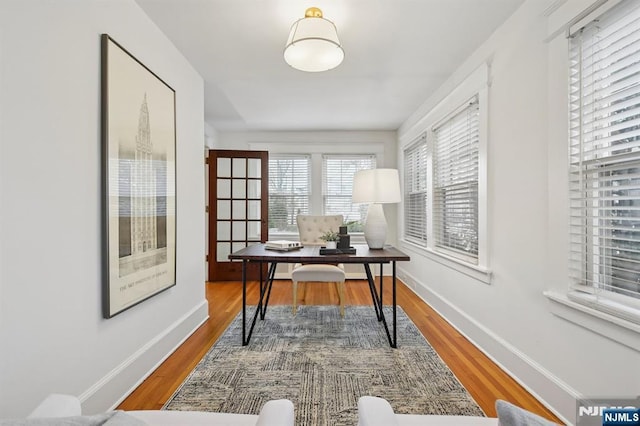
313, 45
376, 186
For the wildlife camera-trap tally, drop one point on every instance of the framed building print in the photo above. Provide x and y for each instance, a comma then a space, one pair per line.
138, 181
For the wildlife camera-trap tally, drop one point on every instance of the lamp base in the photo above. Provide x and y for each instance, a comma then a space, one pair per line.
375, 227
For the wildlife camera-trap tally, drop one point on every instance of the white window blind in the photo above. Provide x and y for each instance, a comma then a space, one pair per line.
455, 182
415, 191
605, 159
337, 186
289, 191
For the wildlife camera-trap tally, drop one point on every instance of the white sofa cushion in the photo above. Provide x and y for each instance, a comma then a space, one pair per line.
112, 418
373, 411
189, 418
277, 412
65, 410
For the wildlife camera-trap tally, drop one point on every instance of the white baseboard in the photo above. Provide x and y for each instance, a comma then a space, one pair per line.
552, 392
113, 388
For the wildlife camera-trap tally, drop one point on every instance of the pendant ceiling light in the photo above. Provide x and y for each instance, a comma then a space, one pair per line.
313, 43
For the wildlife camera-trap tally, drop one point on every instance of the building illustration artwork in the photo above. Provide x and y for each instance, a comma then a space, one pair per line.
142, 201
144, 231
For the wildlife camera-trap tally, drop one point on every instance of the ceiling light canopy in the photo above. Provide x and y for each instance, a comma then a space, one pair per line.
313, 44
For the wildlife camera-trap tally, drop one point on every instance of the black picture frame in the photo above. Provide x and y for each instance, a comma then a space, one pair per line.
138, 123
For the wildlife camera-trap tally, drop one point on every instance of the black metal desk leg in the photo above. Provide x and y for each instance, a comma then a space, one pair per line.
395, 317
261, 281
261, 308
381, 286
244, 302
268, 285
377, 304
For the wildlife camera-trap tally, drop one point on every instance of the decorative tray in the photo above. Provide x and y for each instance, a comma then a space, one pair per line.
350, 250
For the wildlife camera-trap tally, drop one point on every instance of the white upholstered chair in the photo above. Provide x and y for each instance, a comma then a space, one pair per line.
310, 229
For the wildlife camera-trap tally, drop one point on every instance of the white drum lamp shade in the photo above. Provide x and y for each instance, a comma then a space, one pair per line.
313, 43
377, 187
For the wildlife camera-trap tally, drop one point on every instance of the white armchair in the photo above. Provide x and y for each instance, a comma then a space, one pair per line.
310, 228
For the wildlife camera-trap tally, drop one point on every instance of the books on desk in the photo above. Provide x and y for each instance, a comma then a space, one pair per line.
349, 250
282, 245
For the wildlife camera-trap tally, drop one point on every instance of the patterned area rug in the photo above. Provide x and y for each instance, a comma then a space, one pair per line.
323, 363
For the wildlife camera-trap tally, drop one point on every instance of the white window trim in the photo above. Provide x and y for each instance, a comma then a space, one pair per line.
605, 324
475, 84
570, 304
476, 272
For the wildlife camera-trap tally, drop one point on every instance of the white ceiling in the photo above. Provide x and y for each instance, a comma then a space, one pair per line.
397, 52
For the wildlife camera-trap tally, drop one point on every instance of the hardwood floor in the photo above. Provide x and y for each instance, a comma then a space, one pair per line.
483, 379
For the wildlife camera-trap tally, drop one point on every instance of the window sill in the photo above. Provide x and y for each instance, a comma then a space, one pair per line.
477, 272
605, 324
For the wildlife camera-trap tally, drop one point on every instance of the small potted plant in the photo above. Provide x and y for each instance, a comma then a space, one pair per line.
331, 239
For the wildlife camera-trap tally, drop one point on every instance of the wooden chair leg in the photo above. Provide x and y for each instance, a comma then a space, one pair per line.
340, 289
294, 305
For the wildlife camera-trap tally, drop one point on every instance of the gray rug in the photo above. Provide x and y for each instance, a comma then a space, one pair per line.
323, 363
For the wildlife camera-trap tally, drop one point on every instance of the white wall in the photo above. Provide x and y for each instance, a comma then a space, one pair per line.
510, 319
52, 334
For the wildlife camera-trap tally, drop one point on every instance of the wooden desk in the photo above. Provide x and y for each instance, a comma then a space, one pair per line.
311, 254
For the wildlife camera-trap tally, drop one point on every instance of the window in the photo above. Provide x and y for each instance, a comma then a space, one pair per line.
337, 186
415, 191
445, 182
455, 182
289, 191
317, 183
605, 162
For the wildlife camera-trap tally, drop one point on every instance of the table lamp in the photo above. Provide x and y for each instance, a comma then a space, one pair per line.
377, 187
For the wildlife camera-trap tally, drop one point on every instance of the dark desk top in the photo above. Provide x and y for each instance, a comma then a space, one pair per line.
311, 254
